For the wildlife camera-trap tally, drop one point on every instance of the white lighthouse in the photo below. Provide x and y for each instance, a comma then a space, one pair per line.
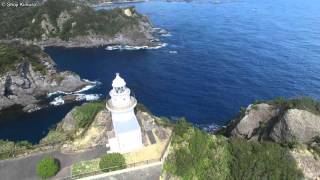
127, 131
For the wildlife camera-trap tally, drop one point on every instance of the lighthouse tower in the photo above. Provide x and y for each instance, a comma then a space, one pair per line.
127, 131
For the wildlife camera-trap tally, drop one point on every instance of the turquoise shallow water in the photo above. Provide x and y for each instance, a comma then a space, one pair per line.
219, 57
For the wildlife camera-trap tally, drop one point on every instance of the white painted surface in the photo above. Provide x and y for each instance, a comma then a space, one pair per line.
128, 136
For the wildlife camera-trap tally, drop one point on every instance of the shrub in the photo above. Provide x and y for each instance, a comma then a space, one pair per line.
261, 160
6, 149
112, 162
47, 167
302, 103
86, 113
198, 155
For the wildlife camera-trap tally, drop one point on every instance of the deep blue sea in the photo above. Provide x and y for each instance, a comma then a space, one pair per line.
221, 56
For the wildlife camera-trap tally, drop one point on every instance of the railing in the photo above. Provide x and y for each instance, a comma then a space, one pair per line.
132, 165
56, 145
111, 169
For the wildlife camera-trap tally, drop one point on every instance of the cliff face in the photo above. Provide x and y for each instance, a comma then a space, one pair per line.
294, 123
271, 122
29, 76
90, 125
63, 23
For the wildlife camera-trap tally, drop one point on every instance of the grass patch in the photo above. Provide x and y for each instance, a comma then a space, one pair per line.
84, 167
152, 152
86, 113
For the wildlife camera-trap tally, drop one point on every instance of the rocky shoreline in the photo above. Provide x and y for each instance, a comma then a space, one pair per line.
29, 82
73, 25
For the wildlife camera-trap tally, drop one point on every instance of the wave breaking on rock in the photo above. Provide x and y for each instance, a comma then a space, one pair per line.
61, 97
128, 47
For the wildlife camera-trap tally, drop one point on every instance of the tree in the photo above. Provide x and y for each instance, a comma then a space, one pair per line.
47, 167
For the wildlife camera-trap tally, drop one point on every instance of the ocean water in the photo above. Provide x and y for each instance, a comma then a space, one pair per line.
219, 57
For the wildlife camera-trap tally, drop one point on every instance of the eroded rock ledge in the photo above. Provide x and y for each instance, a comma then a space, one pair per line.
28, 75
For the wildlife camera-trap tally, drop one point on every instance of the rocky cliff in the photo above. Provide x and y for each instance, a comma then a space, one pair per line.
90, 125
27, 75
294, 123
296, 120
68, 24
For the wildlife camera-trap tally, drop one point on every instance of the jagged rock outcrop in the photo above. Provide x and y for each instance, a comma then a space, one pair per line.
288, 122
270, 122
254, 117
30, 76
296, 125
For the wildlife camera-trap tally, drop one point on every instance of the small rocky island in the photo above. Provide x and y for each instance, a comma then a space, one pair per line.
69, 24
27, 75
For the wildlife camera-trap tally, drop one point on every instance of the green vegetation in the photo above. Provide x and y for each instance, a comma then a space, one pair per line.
47, 167
302, 103
86, 113
261, 160
15, 53
10, 149
85, 167
79, 20
197, 155
215, 157
55, 137
112, 162
83, 116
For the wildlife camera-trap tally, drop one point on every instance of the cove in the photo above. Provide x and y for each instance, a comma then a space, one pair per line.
219, 57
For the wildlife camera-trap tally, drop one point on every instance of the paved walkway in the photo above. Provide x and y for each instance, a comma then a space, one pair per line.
144, 172
24, 168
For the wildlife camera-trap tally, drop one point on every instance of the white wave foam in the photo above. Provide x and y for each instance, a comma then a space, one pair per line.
166, 35
173, 52
127, 47
55, 93
79, 97
87, 97
91, 85
57, 101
